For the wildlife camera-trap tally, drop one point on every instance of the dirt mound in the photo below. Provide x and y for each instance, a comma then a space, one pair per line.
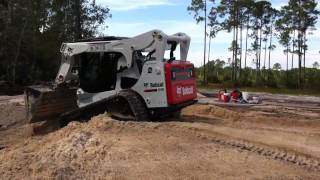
109, 149
76, 151
207, 142
11, 114
67, 152
211, 111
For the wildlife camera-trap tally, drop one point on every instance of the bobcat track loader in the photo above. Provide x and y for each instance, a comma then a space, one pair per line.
135, 78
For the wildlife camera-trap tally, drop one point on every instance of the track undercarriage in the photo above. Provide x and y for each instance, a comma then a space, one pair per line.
61, 104
42, 103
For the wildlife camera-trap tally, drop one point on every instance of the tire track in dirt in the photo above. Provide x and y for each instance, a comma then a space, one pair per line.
220, 122
290, 157
282, 131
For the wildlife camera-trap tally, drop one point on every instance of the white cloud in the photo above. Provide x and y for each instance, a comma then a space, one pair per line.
314, 34
278, 5
169, 27
195, 31
220, 44
133, 4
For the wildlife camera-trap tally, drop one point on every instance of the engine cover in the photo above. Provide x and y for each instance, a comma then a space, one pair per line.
181, 82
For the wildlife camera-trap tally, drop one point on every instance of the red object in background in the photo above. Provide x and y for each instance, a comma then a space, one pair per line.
221, 95
180, 81
235, 96
226, 97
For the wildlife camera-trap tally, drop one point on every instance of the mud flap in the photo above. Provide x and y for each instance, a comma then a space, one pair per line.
45, 103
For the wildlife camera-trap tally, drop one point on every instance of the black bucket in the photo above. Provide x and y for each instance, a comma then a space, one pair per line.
45, 103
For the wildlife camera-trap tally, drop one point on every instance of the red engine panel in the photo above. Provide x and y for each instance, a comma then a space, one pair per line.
181, 82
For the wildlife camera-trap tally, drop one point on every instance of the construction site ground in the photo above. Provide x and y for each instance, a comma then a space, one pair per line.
278, 139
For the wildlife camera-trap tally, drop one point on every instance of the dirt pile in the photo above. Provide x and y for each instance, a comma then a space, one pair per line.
207, 142
211, 111
11, 114
109, 149
68, 152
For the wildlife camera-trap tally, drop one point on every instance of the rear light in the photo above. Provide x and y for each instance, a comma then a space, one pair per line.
191, 73
173, 75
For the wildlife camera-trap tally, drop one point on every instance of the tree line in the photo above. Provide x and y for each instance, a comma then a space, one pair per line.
31, 33
220, 72
262, 24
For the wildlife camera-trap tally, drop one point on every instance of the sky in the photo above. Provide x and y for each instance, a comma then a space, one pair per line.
133, 17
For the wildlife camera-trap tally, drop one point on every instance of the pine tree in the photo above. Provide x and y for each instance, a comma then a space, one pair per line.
31, 32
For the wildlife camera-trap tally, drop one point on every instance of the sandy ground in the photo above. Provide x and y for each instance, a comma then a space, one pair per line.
279, 139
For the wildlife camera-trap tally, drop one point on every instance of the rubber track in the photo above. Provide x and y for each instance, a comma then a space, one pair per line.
299, 160
136, 104
85, 113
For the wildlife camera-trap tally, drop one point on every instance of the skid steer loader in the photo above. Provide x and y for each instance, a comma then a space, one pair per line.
135, 78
